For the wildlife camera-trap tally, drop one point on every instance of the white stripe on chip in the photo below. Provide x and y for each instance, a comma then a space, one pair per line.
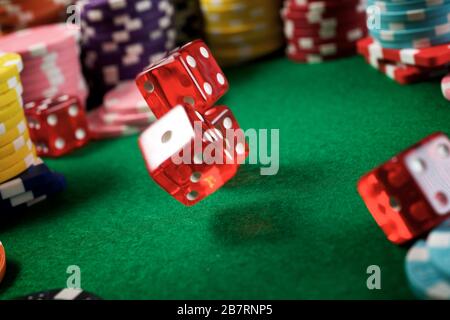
68, 294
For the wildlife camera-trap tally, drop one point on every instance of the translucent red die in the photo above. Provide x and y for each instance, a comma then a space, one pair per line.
185, 155
409, 195
57, 126
223, 119
188, 75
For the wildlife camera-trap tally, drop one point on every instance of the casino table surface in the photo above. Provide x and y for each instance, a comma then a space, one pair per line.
301, 234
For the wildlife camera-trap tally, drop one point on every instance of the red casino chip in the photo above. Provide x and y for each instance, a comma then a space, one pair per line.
321, 5
405, 74
317, 57
428, 57
322, 30
100, 129
445, 86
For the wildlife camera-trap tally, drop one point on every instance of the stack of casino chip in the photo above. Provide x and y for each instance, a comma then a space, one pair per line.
24, 179
120, 38
409, 24
427, 265
51, 58
407, 65
20, 14
188, 21
323, 30
17, 152
408, 39
124, 112
239, 31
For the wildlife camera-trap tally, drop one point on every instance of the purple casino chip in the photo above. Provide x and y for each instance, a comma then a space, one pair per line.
120, 38
105, 11
114, 53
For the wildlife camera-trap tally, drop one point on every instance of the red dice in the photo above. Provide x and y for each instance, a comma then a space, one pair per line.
181, 90
186, 156
189, 75
57, 126
410, 194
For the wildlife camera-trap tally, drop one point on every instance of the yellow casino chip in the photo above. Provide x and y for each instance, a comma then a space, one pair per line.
19, 155
11, 123
243, 52
9, 83
18, 168
238, 31
14, 94
13, 134
10, 65
242, 38
10, 111
16, 145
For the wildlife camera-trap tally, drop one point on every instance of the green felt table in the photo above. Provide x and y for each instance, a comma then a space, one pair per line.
301, 234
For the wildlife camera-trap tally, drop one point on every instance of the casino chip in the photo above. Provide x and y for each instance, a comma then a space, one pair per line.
30, 179
2, 262
51, 61
438, 243
432, 57
120, 38
322, 30
29, 188
424, 279
239, 31
124, 112
61, 294
20, 14
445, 86
404, 73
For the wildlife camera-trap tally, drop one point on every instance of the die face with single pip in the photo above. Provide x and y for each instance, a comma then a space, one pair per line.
188, 75
410, 194
223, 119
57, 126
175, 149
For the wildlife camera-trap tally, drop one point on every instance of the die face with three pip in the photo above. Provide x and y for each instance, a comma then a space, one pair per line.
410, 194
188, 75
198, 174
57, 126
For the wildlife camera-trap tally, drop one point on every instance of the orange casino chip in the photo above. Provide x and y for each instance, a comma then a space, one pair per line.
19, 14
2, 262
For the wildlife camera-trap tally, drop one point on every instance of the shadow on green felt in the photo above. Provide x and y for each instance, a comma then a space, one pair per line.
33, 215
290, 178
82, 187
256, 222
13, 270
264, 220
